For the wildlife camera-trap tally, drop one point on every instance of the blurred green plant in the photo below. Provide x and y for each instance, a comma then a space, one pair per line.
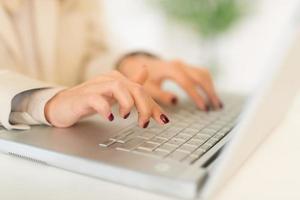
208, 17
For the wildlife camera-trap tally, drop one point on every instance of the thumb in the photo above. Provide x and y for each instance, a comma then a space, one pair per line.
140, 76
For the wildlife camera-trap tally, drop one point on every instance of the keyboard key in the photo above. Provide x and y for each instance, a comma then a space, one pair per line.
127, 137
218, 136
187, 148
176, 141
198, 126
146, 135
212, 141
174, 129
148, 146
106, 143
167, 147
191, 130
181, 124
119, 146
131, 144
167, 135
127, 130
188, 133
190, 159
219, 123
199, 152
155, 130
121, 136
178, 155
159, 153
215, 127
157, 140
183, 136
201, 136
142, 151
205, 147
195, 142
208, 131
224, 131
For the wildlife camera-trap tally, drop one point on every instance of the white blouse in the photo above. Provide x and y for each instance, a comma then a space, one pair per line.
46, 46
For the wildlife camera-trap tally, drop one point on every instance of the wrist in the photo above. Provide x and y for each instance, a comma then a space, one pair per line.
49, 109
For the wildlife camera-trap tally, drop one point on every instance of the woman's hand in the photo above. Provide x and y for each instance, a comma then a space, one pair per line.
191, 79
97, 96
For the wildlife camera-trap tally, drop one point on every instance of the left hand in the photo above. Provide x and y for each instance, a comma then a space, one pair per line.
190, 78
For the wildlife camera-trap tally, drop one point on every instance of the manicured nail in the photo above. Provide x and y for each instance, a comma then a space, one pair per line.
164, 118
111, 117
127, 115
221, 105
174, 101
146, 124
206, 108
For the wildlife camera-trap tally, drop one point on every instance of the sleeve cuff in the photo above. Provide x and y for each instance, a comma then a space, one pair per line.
28, 107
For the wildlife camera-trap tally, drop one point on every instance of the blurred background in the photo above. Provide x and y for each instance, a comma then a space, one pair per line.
240, 41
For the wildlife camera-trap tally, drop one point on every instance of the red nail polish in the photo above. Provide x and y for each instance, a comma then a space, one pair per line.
127, 115
221, 105
146, 124
206, 108
111, 117
174, 101
164, 118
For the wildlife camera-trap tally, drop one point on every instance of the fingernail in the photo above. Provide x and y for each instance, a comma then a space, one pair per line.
127, 115
174, 100
111, 117
221, 105
146, 124
206, 108
164, 118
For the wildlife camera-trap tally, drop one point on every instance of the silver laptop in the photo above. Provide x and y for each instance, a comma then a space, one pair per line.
190, 157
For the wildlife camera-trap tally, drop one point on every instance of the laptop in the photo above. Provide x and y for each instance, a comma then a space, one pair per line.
191, 157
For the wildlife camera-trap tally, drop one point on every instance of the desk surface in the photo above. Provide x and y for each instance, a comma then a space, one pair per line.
271, 173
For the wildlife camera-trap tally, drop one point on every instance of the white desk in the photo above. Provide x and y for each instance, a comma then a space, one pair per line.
272, 173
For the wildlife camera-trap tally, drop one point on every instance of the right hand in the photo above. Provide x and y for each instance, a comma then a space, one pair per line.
97, 96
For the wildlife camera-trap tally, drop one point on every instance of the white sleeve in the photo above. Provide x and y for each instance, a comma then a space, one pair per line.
13, 84
28, 107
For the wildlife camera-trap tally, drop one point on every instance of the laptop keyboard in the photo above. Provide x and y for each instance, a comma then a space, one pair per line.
189, 135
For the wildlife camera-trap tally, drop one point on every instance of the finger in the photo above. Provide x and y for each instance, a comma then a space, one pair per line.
101, 106
123, 97
140, 75
115, 90
143, 105
158, 94
160, 116
189, 86
203, 78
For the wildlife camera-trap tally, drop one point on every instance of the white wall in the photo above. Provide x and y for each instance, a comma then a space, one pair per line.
246, 52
